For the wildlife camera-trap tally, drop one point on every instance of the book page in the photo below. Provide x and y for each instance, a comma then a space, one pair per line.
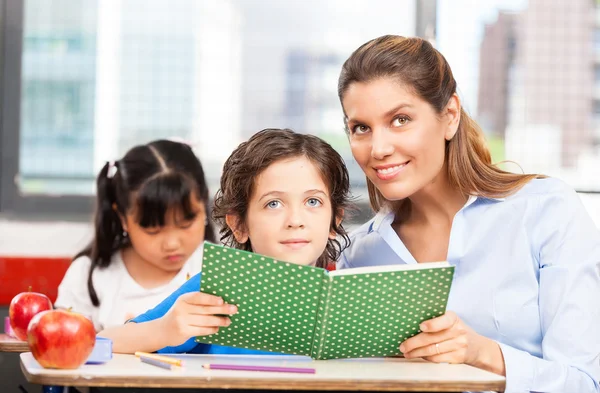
389, 268
370, 314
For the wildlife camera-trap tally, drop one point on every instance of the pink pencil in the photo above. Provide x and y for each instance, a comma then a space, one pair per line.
259, 368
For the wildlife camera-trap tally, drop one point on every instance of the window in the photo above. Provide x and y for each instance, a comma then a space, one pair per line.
87, 80
530, 84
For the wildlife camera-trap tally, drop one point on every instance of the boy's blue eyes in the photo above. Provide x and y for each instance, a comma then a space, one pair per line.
313, 202
310, 202
273, 204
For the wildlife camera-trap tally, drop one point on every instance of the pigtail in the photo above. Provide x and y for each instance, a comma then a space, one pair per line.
108, 231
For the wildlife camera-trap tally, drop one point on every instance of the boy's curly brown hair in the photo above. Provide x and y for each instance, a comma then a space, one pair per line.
264, 148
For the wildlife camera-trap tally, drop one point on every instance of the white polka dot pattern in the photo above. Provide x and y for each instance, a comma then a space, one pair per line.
277, 301
371, 314
361, 315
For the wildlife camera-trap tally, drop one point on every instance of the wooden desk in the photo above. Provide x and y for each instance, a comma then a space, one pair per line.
390, 374
11, 344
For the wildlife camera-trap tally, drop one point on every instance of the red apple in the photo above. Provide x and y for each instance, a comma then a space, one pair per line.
22, 308
61, 339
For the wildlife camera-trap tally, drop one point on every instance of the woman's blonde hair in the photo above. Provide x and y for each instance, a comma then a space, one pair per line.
418, 65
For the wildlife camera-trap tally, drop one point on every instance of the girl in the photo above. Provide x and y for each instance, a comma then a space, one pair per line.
282, 195
527, 282
151, 218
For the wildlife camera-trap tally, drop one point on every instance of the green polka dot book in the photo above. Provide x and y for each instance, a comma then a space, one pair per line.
304, 310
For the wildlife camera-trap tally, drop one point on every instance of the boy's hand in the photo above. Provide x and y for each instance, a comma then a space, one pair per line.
195, 314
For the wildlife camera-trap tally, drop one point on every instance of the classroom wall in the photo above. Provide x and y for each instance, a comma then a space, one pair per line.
42, 239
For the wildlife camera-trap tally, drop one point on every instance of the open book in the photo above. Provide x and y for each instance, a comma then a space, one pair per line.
304, 310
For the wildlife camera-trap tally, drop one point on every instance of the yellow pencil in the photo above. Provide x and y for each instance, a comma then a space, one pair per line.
165, 359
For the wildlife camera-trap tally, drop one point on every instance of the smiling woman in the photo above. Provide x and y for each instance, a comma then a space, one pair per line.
518, 242
411, 127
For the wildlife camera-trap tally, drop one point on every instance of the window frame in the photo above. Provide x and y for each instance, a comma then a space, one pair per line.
13, 202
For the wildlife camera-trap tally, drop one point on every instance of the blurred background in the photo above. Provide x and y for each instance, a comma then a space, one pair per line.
82, 81
85, 80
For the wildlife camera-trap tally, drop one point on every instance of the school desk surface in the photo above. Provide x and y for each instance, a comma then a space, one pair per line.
11, 344
374, 374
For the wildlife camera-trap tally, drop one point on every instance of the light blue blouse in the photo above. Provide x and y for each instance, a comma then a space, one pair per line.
527, 275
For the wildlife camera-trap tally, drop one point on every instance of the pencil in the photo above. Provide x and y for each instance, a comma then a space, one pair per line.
160, 358
157, 363
259, 368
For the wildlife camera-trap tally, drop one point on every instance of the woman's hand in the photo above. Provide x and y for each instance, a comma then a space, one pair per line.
446, 339
195, 314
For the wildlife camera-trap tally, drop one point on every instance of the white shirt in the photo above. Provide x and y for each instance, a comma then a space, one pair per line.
121, 297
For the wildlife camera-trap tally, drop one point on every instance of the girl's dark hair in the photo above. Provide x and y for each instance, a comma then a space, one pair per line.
416, 64
264, 148
149, 180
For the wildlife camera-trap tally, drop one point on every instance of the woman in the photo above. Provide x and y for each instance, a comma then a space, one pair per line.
525, 297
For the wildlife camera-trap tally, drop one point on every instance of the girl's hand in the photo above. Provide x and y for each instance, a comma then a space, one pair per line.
446, 339
195, 314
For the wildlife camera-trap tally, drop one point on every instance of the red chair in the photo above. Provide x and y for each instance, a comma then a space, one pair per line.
43, 275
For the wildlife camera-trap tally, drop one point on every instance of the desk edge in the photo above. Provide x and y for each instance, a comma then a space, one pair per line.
244, 383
